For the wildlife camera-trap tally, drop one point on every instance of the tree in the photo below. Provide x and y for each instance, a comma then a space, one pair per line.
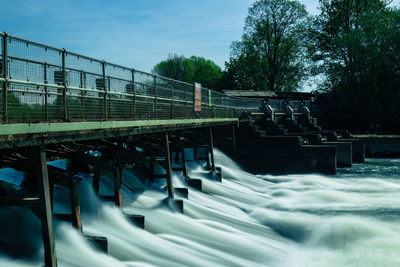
344, 38
174, 67
271, 54
193, 69
355, 45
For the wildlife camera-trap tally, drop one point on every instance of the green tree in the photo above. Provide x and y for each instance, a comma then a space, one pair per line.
355, 44
345, 37
174, 67
193, 69
271, 54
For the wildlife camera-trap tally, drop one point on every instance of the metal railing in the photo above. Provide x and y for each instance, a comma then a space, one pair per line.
40, 83
279, 104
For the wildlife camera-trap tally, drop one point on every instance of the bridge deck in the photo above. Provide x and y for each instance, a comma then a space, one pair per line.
19, 135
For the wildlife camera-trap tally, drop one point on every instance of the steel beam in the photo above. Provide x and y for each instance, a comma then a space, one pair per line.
20, 135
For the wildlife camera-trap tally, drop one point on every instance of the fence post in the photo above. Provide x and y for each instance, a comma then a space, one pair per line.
5, 76
185, 107
83, 87
155, 97
225, 108
172, 102
46, 109
103, 66
64, 91
212, 106
134, 95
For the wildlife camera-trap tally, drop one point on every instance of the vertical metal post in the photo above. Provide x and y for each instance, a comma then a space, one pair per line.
5, 76
39, 165
74, 202
82, 86
117, 186
168, 167
211, 149
184, 165
105, 108
212, 107
185, 107
46, 109
172, 102
64, 91
134, 95
155, 96
118, 176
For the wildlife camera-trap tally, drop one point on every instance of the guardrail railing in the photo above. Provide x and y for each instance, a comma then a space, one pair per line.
40, 83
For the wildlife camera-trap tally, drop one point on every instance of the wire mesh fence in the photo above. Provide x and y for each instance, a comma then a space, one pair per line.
2, 75
40, 83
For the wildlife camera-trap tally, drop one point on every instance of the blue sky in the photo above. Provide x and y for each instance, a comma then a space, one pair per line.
135, 33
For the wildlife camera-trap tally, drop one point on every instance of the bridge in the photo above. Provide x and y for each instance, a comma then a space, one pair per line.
60, 104
103, 117
52, 93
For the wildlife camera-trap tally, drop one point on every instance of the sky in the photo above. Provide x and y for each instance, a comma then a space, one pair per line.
132, 33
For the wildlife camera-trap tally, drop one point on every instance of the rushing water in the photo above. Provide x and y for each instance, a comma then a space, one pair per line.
350, 219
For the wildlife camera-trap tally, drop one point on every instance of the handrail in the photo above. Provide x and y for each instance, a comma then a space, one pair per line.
41, 83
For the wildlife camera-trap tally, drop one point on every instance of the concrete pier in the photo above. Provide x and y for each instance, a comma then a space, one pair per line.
260, 153
358, 149
381, 146
283, 155
344, 154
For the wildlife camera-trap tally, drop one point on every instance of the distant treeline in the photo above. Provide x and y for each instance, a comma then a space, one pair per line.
351, 52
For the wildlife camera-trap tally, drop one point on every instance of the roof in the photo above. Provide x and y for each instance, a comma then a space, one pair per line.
250, 94
295, 95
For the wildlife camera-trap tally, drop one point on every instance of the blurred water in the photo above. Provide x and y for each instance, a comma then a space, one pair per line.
350, 219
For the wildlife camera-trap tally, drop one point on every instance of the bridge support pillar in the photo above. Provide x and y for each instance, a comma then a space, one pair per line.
184, 165
96, 181
73, 186
234, 140
39, 167
151, 167
180, 156
211, 151
117, 186
168, 168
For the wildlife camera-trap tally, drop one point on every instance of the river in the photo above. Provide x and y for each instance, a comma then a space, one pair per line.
348, 219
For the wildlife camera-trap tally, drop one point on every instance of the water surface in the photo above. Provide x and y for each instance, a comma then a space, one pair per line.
349, 219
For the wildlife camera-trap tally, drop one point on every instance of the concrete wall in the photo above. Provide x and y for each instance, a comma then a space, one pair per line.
277, 154
384, 146
344, 153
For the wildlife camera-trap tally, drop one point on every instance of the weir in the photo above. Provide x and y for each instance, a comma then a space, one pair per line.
103, 118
